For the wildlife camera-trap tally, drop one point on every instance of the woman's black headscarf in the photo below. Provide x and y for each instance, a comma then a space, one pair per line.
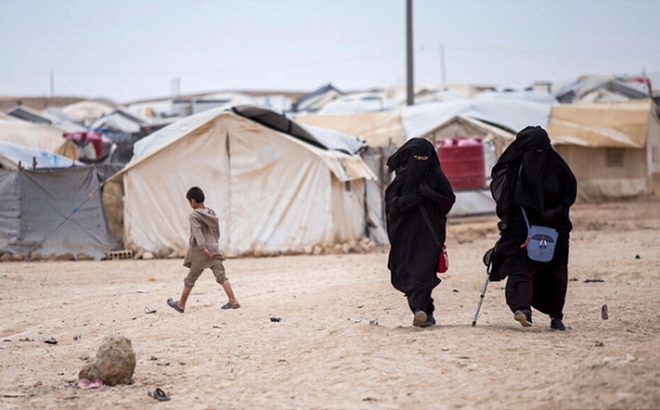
532, 175
414, 252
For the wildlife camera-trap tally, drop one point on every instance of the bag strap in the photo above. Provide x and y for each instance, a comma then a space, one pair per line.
428, 224
521, 207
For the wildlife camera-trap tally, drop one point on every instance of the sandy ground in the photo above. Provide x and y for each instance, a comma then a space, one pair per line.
325, 353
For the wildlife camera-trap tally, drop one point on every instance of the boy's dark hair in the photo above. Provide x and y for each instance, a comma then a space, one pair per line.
197, 194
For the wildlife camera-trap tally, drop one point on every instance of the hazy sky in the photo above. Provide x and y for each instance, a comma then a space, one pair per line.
128, 50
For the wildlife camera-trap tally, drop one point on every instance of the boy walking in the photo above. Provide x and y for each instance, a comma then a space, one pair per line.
203, 252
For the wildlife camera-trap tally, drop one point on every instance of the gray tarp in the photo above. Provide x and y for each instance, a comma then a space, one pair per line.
34, 203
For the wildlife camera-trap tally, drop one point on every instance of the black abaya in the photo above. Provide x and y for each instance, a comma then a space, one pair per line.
532, 175
413, 258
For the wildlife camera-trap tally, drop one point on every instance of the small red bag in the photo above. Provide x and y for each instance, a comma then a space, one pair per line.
443, 262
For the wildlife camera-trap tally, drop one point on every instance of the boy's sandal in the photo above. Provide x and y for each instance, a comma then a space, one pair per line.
173, 304
159, 394
230, 306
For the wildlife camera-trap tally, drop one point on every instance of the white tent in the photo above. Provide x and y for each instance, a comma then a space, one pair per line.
273, 192
87, 111
358, 103
39, 137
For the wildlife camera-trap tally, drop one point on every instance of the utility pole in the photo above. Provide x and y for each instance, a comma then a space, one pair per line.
409, 54
175, 87
52, 84
443, 67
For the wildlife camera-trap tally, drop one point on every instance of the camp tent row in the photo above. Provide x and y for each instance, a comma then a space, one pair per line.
275, 185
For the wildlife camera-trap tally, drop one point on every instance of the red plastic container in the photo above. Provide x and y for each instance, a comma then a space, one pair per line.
462, 160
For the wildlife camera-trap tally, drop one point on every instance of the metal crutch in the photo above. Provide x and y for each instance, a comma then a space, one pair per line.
488, 256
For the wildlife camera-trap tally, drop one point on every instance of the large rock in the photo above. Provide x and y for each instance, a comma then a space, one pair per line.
114, 364
6, 257
84, 257
17, 257
67, 256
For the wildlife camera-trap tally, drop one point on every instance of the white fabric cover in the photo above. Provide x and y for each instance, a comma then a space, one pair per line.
271, 192
39, 137
514, 115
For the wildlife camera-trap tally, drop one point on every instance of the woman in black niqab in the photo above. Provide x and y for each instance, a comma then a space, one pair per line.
413, 258
531, 175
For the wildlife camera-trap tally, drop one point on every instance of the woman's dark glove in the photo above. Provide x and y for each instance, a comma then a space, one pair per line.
408, 202
550, 214
425, 190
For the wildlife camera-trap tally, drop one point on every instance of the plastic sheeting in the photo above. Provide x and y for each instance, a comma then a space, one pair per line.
272, 192
513, 115
12, 154
35, 203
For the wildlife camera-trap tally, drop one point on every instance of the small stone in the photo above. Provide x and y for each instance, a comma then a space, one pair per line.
308, 250
638, 257
153, 358
373, 322
84, 357
138, 254
50, 257
455, 290
444, 349
173, 255
17, 257
346, 248
147, 256
35, 257
603, 312
630, 358
84, 257
67, 256
317, 250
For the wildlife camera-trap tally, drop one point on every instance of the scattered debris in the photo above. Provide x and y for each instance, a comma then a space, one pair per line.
573, 280
444, 349
27, 339
149, 309
153, 358
603, 312
151, 278
373, 322
77, 337
17, 257
638, 257
84, 357
455, 290
281, 360
84, 257
88, 384
114, 364
464, 357
51, 341
147, 256
594, 281
275, 319
599, 344
360, 306
163, 364
369, 399
159, 394
67, 256
14, 395
141, 291
7, 340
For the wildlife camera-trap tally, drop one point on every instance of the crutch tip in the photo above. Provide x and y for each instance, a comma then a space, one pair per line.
474, 324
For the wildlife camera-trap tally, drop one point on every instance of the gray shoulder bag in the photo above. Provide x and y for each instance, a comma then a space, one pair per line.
541, 240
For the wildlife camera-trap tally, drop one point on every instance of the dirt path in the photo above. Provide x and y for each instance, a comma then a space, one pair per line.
325, 353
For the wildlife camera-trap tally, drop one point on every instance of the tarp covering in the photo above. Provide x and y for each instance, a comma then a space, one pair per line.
601, 89
378, 129
13, 154
39, 137
87, 111
272, 192
613, 149
35, 203
614, 125
513, 115
358, 103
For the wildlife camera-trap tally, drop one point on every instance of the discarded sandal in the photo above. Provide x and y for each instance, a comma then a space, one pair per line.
174, 305
159, 394
230, 306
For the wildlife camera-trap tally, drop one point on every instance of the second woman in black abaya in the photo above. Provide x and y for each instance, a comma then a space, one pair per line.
413, 258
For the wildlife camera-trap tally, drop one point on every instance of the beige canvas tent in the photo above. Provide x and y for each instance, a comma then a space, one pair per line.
613, 148
272, 192
378, 129
87, 111
39, 137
